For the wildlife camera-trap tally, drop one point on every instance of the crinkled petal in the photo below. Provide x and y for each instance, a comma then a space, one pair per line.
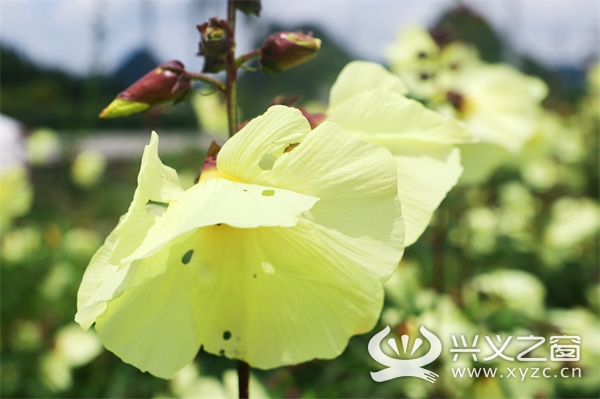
384, 117
152, 326
105, 277
250, 154
360, 76
221, 201
156, 183
421, 140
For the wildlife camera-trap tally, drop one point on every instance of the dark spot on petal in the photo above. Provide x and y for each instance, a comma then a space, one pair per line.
245, 190
226, 335
187, 257
422, 54
254, 275
457, 100
222, 352
218, 224
424, 76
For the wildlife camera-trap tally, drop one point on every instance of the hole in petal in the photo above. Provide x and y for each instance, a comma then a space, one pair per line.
226, 335
156, 208
268, 193
267, 162
291, 147
204, 272
267, 267
187, 257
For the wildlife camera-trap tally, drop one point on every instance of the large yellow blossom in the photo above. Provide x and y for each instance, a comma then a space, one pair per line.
277, 256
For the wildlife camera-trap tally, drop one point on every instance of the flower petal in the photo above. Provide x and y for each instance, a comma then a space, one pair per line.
249, 155
284, 295
151, 326
221, 201
99, 279
423, 183
360, 76
421, 140
156, 183
381, 117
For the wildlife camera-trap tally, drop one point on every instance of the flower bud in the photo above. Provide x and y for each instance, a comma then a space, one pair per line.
167, 82
284, 50
314, 118
215, 42
209, 166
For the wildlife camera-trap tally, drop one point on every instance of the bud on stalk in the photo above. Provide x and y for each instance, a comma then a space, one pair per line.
283, 50
216, 40
167, 82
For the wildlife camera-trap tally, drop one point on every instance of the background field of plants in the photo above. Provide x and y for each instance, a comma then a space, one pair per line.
514, 255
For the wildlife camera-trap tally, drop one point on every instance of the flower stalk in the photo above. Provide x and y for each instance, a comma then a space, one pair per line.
243, 370
206, 79
231, 80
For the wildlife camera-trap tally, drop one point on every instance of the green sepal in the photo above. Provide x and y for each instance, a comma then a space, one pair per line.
119, 108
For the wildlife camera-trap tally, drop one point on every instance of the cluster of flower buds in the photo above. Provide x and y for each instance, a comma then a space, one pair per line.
165, 83
216, 41
170, 82
283, 50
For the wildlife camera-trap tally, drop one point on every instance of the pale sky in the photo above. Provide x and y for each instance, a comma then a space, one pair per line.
61, 33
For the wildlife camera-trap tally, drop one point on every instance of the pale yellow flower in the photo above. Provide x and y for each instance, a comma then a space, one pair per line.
277, 256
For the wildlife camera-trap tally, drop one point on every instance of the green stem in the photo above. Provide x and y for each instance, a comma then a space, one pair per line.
206, 79
242, 59
230, 82
243, 370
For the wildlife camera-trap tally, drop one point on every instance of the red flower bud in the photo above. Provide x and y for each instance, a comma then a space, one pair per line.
283, 50
167, 82
215, 42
